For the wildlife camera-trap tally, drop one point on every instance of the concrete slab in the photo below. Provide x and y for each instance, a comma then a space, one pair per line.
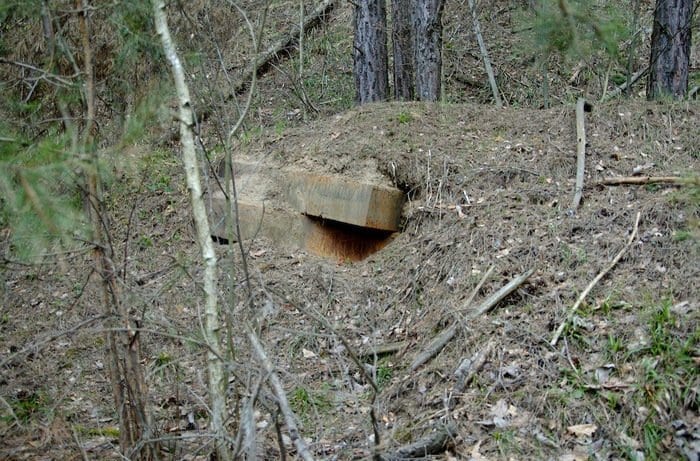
346, 201
255, 219
323, 214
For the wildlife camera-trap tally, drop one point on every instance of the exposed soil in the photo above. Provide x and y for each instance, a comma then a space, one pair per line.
487, 188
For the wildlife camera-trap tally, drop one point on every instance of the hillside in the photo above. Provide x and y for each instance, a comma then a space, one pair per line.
488, 193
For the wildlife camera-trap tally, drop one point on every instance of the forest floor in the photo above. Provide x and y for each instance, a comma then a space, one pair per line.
489, 199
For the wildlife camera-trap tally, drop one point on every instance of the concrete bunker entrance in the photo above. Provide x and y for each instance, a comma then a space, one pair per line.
327, 215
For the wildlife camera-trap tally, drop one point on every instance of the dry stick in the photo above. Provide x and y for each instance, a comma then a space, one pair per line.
282, 400
466, 371
37, 346
443, 338
434, 347
76, 439
500, 294
476, 289
381, 349
282, 46
693, 91
637, 180
363, 371
593, 283
617, 91
581, 153
10, 412
485, 55
433, 444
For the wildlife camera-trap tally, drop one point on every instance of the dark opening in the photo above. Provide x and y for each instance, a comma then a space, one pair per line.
343, 241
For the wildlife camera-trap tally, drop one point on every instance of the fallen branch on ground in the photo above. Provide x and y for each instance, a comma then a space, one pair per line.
446, 335
282, 47
381, 349
640, 180
466, 371
435, 346
500, 294
433, 444
593, 283
618, 91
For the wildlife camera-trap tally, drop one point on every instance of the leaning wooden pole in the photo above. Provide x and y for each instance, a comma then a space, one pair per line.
581, 153
485, 55
215, 366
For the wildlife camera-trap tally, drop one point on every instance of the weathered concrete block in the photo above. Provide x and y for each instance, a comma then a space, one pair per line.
323, 214
255, 219
352, 202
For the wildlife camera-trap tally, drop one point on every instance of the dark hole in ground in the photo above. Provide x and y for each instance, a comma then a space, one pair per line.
343, 241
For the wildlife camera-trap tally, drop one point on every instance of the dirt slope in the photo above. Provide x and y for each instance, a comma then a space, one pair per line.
489, 193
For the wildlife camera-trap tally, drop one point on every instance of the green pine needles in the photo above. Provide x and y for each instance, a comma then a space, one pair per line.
575, 28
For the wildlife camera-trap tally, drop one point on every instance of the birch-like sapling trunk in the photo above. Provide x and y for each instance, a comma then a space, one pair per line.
215, 366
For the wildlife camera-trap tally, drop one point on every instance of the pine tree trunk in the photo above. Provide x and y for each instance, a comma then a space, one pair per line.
427, 33
402, 40
670, 49
370, 51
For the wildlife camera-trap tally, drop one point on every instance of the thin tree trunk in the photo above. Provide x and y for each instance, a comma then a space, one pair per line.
215, 367
126, 376
633, 46
402, 44
670, 49
370, 51
427, 34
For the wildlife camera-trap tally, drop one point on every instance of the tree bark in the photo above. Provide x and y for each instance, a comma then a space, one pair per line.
215, 366
670, 49
402, 44
123, 350
370, 51
427, 34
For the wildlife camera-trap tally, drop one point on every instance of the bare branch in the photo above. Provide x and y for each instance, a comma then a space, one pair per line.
642, 180
593, 283
289, 417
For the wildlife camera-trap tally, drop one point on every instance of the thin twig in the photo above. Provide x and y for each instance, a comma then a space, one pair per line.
446, 335
593, 283
581, 153
466, 371
478, 286
500, 294
432, 444
283, 46
283, 402
76, 439
53, 78
37, 346
641, 180
361, 368
617, 91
